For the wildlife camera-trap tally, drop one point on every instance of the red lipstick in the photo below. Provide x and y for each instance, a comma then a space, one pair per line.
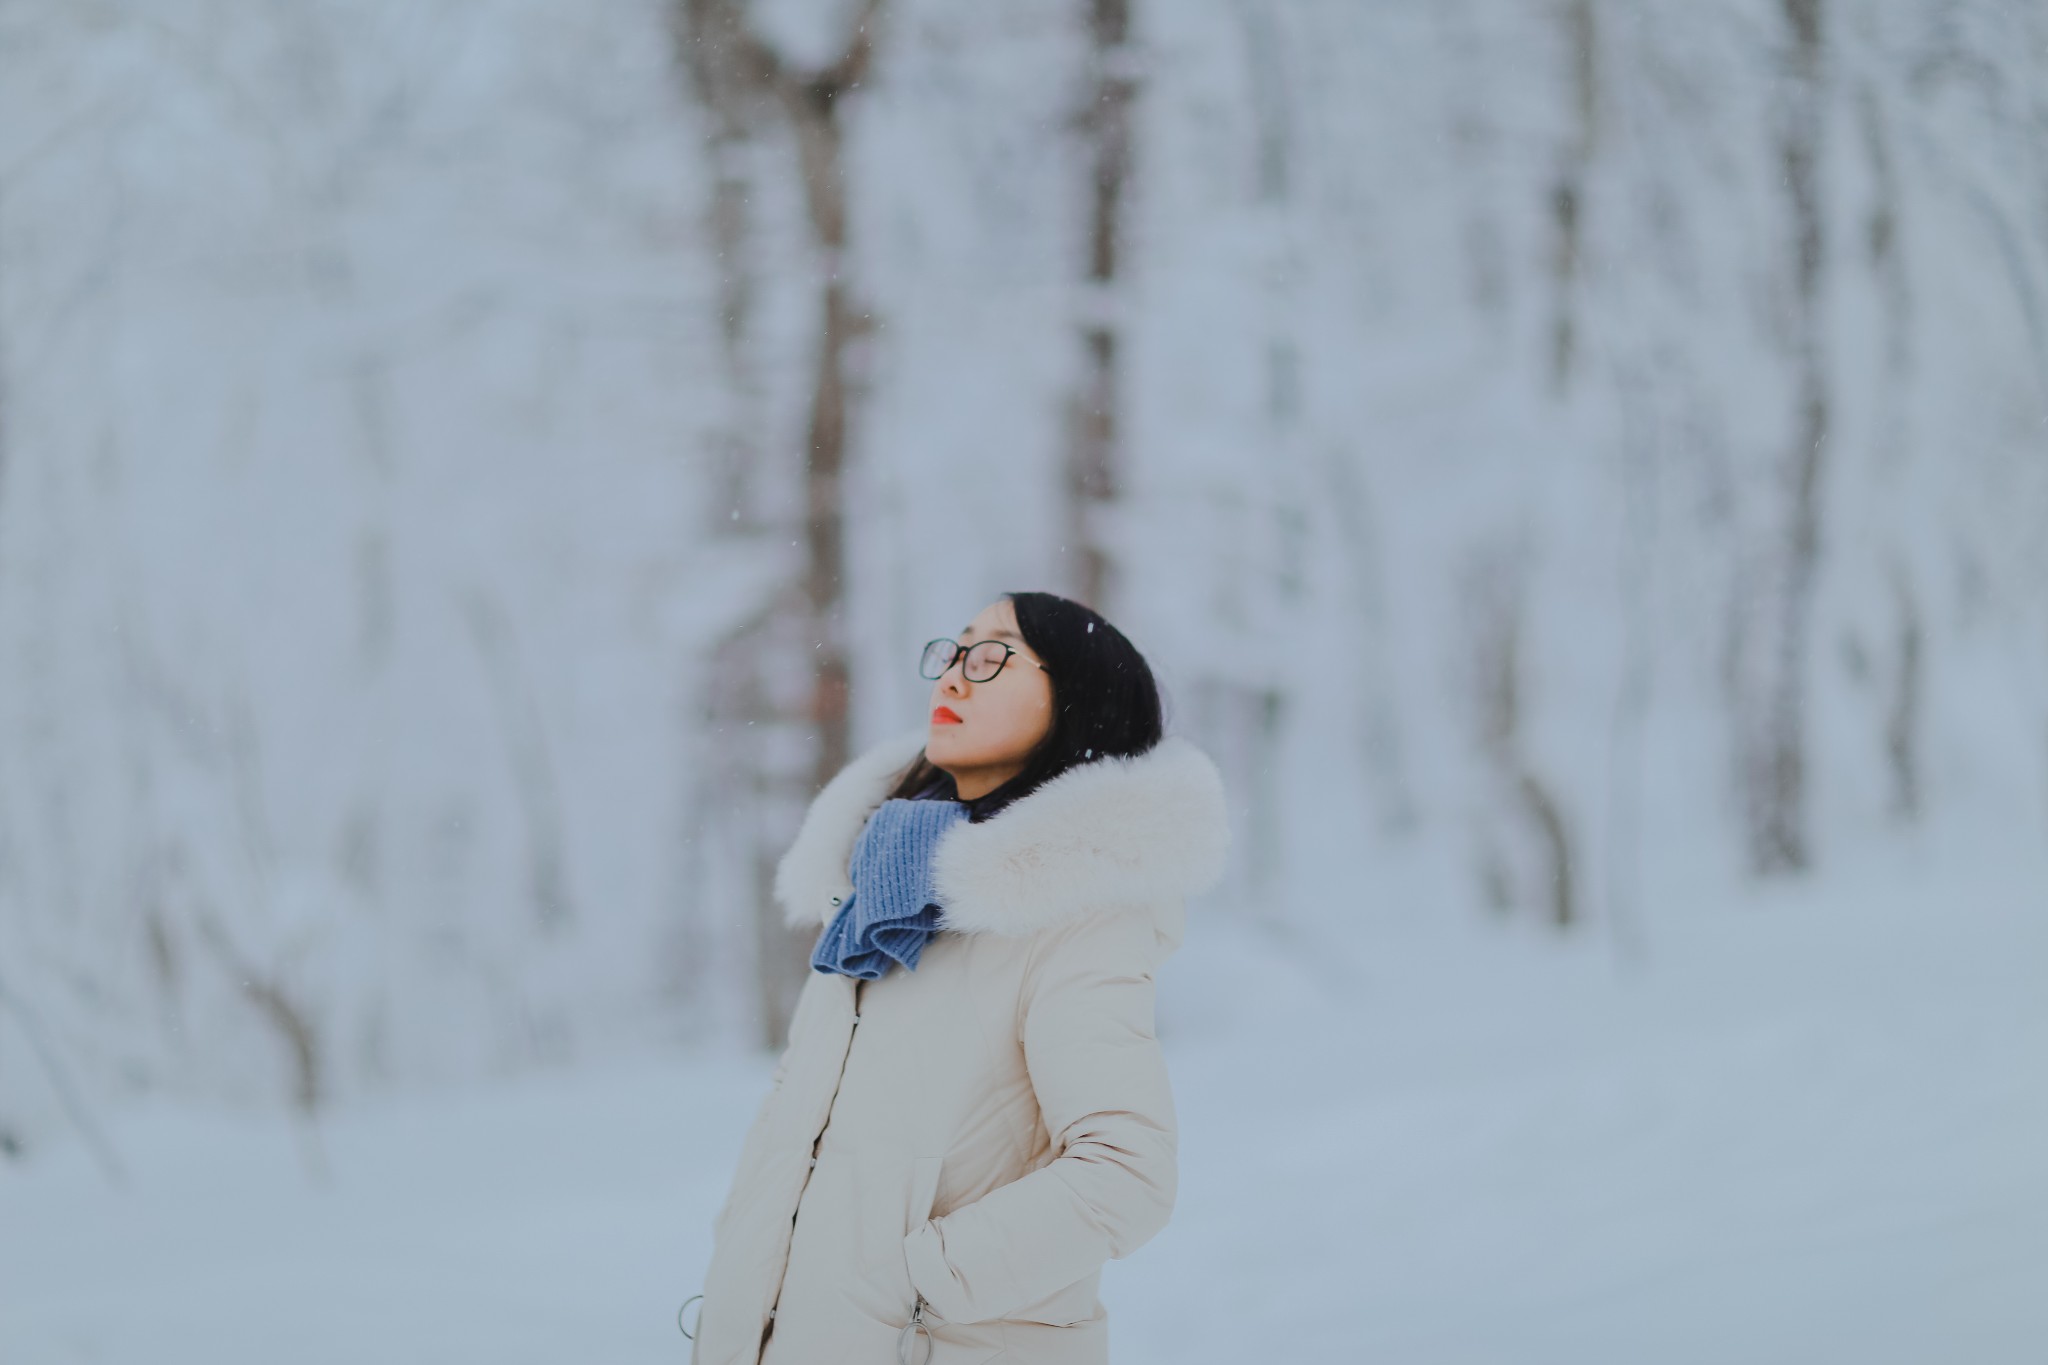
943, 715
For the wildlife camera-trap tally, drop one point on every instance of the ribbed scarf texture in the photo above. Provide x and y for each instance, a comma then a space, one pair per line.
893, 909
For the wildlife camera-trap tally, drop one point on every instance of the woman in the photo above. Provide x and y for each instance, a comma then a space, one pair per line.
972, 1113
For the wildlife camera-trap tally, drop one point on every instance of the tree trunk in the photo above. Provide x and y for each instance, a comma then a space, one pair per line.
747, 87
1774, 615
1568, 193
1093, 473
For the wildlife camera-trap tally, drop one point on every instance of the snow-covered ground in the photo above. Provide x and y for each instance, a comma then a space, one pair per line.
1811, 1127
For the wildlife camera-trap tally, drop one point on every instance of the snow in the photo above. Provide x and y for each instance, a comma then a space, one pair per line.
1807, 1129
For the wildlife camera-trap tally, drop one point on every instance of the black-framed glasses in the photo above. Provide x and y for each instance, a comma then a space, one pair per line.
980, 661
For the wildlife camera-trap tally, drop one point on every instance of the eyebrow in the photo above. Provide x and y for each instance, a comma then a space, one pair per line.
997, 634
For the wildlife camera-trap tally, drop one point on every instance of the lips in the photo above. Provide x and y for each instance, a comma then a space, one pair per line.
943, 715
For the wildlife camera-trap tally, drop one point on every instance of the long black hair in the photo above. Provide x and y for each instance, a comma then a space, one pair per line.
1105, 703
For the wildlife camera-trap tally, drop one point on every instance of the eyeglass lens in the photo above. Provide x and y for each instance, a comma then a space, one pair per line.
983, 661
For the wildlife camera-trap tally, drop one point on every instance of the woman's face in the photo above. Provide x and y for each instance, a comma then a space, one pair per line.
981, 732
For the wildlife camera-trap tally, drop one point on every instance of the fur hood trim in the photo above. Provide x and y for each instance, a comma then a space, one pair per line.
1112, 832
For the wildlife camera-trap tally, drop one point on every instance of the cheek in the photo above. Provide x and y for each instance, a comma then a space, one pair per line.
1026, 717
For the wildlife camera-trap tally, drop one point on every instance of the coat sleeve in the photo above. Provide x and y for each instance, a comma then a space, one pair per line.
1095, 1064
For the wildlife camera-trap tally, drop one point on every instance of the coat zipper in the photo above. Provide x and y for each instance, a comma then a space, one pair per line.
910, 1330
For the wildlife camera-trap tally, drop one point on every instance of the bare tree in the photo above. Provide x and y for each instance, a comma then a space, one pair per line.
1902, 725
1494, 589
532, 765
1772, 618
1568, 192
275, 1004
70, 1094
1902, 713
750, 90
1093, 461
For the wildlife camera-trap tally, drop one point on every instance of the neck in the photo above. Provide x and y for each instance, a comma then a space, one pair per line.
973, 783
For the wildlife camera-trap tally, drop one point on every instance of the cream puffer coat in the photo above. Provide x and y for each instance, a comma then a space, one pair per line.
967, 1143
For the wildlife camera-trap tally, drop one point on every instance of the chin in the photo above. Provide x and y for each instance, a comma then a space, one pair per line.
943, 746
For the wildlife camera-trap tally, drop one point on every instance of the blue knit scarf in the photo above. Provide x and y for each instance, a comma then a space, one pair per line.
892, 910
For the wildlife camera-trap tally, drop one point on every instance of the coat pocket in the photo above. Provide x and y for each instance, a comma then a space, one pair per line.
1068, 1307
924, 1191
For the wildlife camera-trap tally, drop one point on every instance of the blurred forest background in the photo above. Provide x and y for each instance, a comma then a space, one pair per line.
469, 472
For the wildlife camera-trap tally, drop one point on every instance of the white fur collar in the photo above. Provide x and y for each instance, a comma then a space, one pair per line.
1114, 831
